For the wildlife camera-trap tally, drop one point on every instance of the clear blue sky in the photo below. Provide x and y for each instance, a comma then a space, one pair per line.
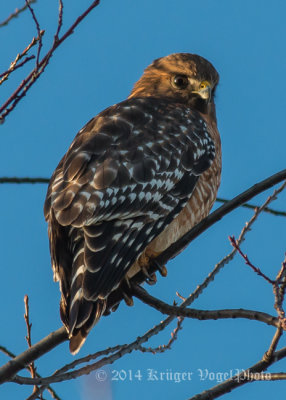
93, 69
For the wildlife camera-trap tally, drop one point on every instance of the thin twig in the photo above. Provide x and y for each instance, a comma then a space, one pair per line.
27, 320
279, 284
17, 180
16, 13
32, 367
163, 347
253, 207
13, 67
248, 262
15, 64
60, 20
7, 352
40, 44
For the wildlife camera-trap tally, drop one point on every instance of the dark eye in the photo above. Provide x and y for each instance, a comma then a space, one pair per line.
180, 81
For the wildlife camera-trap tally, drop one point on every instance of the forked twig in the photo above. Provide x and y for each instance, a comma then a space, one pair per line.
15, 64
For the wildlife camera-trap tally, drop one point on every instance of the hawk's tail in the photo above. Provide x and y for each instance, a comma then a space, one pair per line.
78, 335
79, 314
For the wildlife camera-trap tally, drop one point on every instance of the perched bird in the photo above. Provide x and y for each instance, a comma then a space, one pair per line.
136, 178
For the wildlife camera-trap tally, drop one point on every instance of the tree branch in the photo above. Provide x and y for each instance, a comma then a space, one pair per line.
15, 64
18, 180
163, 347
49, 388
165, 308
246, 376
253, 207
273, 345
33, 353
248, 262
40, 43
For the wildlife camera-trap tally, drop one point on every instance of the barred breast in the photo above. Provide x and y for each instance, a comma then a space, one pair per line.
197, 208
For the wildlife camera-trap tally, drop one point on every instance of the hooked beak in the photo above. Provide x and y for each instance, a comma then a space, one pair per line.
205, 91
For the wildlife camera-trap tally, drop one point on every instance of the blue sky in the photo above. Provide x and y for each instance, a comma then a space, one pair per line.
95, 68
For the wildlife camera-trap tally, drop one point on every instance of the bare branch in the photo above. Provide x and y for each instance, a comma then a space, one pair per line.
40, 43
49, 388
163, 347
247, 261
14, 64
124, 349
7, 352
253, 207
13, 67
75, 363
60, 20
273, 345
16, 13
244, 377
8, 370
32, 367
274, 376
165, 308
23, 180
28, 82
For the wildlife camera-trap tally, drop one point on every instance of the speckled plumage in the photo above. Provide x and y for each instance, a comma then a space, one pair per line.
134, 180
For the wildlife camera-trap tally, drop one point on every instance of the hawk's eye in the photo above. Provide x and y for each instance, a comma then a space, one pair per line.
180, 81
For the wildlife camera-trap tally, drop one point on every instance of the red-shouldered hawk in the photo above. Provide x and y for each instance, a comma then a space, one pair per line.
135, 179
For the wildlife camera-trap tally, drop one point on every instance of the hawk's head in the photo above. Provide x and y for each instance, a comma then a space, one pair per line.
182, 77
